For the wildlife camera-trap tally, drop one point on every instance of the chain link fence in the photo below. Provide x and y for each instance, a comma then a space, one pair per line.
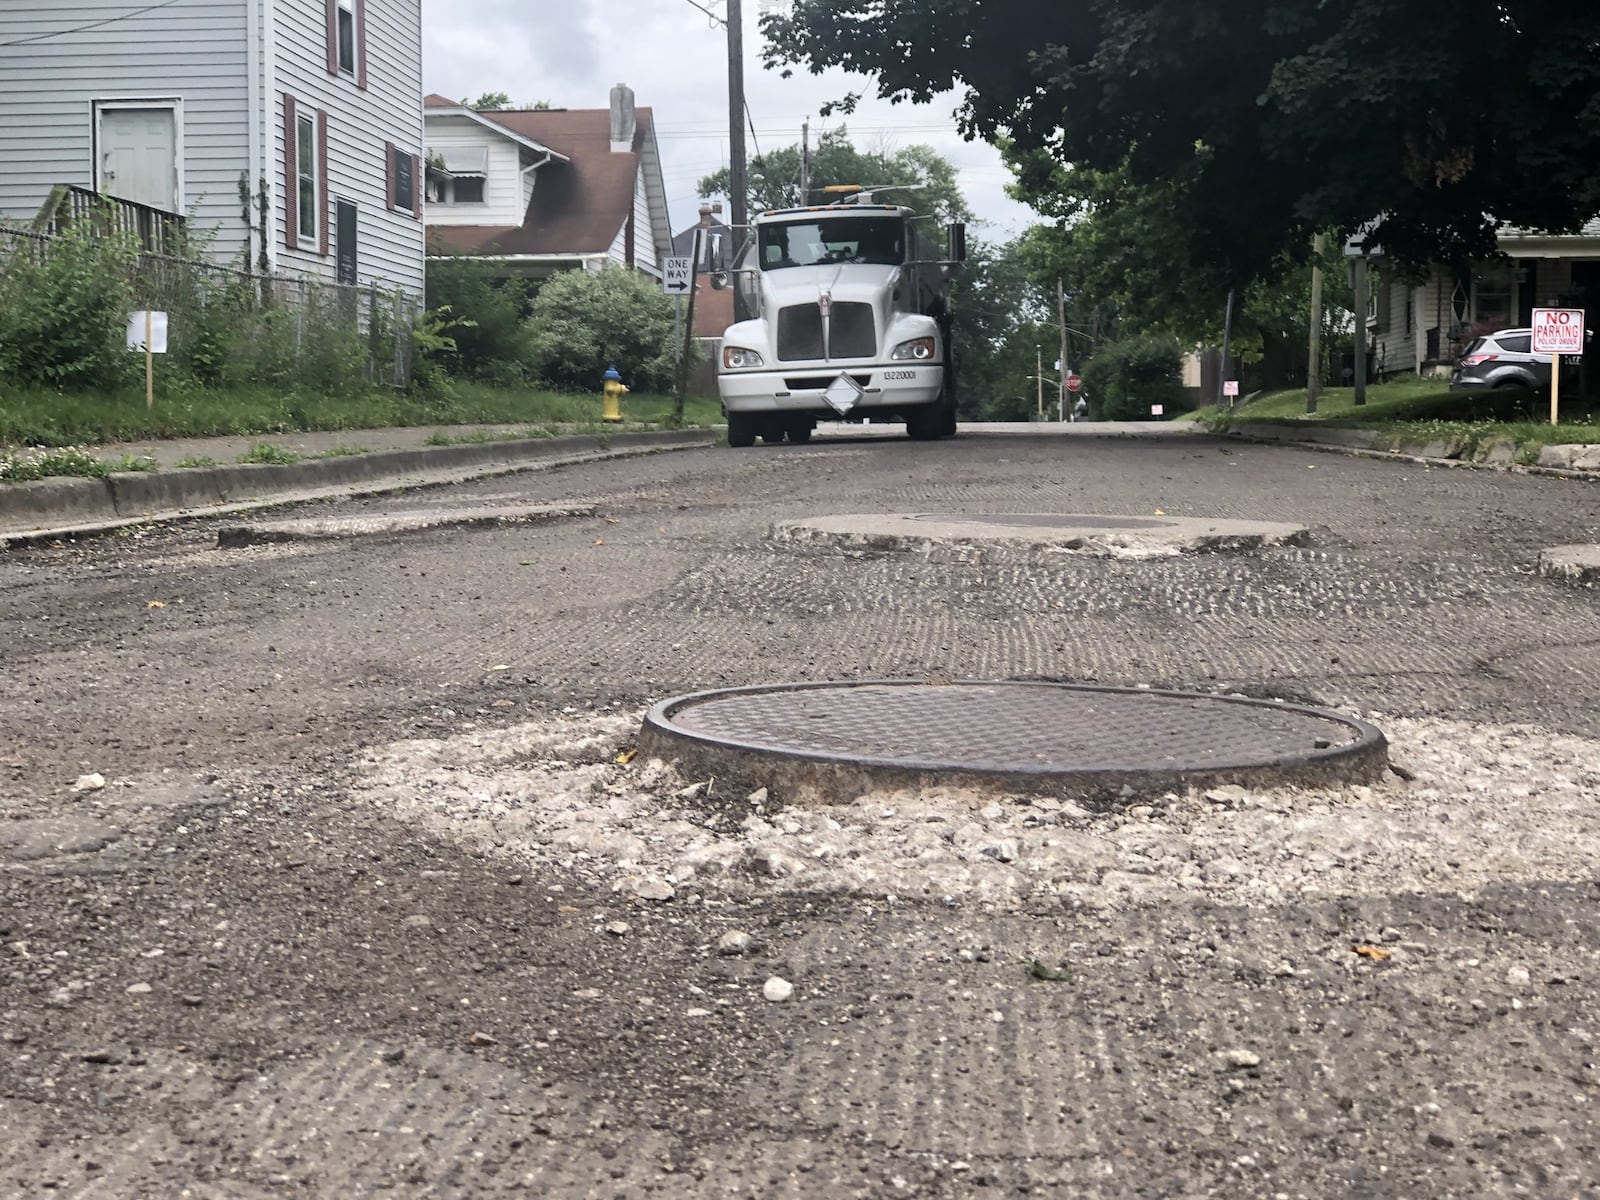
279, 323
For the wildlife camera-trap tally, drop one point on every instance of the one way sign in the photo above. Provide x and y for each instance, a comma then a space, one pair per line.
675, 273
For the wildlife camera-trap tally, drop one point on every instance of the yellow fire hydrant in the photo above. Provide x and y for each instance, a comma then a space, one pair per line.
612, 392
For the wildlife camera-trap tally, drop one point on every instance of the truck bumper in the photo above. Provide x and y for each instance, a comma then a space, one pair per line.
801, 389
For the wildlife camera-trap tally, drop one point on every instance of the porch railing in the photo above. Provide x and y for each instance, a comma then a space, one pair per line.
158, 231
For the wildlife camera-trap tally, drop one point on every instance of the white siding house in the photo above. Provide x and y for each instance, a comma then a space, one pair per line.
542, 190
1424, 326
314, 104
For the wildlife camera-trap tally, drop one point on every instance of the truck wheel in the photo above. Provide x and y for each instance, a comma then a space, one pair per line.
741, 430
925, 423
800, 430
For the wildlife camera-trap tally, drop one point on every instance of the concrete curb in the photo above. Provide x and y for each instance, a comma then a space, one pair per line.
1434, 452
47, 509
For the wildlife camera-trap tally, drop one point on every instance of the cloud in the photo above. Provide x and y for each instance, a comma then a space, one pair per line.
570, 53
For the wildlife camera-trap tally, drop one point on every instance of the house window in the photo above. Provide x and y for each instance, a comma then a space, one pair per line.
458, 175
346, 262
345, 32
403, 166
347, 39
306, 177
1492, 298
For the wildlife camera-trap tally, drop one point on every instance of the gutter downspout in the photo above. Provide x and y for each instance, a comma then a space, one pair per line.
267, 115
529, 169
253, 123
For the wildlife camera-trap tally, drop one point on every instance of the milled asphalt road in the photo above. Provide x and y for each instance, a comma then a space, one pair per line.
226, 975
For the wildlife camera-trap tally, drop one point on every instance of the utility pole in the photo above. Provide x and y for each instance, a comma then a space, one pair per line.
1362, 281
738, 191
1314, 368
805, 161
1038, 375
1061, 370
1222, 368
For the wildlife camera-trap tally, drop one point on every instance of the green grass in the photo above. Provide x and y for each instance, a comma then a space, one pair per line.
195, 460
69, 460
268, 454
1412, 408
343, 452
44, 418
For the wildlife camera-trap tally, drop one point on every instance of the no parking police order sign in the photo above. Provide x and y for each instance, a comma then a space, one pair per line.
1558, 331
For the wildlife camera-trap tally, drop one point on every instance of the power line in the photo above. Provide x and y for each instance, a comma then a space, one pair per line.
149, 8
715, 21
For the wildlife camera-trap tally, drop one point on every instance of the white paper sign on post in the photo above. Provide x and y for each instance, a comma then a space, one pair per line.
1558, 331
1230, 387
155, 323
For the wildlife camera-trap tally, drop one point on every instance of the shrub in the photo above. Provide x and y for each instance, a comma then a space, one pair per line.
1126, 378
64, 308
586, 321
496, 347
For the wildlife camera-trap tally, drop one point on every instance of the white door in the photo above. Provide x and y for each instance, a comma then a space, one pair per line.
139, 155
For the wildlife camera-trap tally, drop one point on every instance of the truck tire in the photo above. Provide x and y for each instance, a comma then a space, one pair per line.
800, 429
741, 430
925, 423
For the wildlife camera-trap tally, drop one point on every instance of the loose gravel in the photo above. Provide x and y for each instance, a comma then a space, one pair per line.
1463, 806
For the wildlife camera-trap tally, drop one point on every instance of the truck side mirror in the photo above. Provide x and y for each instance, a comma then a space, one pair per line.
956, 241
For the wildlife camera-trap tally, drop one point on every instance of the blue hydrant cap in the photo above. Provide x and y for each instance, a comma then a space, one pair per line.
612, 373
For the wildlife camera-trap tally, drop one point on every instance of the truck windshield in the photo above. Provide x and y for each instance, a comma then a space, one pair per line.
877, 240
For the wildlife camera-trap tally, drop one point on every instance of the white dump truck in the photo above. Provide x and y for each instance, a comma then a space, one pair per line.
842, 312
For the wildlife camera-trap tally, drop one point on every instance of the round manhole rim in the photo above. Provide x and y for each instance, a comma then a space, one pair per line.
1369, 740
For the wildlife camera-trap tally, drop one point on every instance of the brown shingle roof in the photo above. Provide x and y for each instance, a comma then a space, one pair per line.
578, 207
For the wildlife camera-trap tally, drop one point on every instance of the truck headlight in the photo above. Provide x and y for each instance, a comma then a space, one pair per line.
734, 358
921, 350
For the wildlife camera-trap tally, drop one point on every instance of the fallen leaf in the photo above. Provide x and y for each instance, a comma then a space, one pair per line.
527, 562
613, 521
627, 756
500, 667
1312, 467
1054, 974
567, 908
1375, 953
599, 541
1160, 513
156, 604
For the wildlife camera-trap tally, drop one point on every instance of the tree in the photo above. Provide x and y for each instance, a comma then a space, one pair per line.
1277, 118
1115, 243
774, 179
499, 101
586, 321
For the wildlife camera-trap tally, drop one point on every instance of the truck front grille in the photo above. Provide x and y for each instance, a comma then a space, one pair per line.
817, 383
852, 333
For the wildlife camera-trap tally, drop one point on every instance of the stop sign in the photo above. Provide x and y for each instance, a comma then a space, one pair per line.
1074, 382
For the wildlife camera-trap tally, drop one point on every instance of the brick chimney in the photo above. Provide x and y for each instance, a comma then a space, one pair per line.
622, 119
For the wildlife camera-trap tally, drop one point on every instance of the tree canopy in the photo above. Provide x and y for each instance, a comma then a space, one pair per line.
1266, 119
924, 179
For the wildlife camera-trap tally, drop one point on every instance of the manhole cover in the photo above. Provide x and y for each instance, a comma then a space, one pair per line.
833, 741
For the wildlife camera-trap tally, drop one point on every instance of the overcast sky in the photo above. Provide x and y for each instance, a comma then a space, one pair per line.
570, 52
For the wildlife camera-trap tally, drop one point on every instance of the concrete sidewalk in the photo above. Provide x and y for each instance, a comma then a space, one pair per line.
382, 460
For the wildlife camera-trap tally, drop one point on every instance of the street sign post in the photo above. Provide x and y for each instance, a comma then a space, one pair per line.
147, 332
1557, 331
1230, 387
676, 274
